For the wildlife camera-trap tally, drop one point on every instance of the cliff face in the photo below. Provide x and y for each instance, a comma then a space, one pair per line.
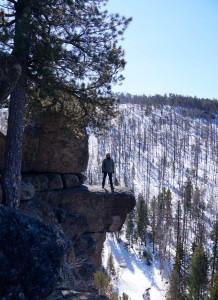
54, 197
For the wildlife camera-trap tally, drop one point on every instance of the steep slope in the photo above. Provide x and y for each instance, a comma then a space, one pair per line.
159, 148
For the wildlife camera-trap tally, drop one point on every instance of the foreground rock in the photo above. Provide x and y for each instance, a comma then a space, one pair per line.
58, 239
30, 256
33, 249
85, 214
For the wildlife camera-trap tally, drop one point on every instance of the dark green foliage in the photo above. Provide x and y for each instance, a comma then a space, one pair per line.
187, 193
179, 257
69, 55
153, 217
110, 266
161, 213
198, 274
214, 238
214, 287
124, 297
165, 205
141, 218
174, 290
130, 231
199, 107
72, 54
177, 279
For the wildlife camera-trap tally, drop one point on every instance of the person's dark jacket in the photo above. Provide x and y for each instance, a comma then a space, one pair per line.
108, 165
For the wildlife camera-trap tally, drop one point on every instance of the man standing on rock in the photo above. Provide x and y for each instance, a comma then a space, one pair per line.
108, 168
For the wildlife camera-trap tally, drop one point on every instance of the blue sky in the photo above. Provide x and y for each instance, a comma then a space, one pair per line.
171, 46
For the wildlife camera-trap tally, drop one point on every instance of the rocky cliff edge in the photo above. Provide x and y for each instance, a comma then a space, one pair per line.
51, 247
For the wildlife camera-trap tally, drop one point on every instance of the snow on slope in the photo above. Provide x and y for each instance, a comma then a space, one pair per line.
155, 148
162, 148
135, 277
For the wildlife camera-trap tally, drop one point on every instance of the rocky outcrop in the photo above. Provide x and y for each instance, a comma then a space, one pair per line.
49, 147
105, 211
57, 237
59, 231
30, 255
85, 214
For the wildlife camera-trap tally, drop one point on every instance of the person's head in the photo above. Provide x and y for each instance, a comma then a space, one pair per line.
108, 155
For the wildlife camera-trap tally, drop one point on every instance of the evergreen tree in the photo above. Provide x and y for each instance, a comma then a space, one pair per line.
198, 274
68, 52
162, 220
153, 217
213, 295
110, 265
103, 286
214, 238
176, 290
124, 297
188, 190
130, 228
141, 218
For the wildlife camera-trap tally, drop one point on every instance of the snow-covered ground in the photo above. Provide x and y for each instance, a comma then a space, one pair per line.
135, 277
162, 148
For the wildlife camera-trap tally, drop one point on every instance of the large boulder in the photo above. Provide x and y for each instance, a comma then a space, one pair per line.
30, 256
51, 148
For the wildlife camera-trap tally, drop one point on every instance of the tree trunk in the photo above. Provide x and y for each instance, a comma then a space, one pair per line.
11, 175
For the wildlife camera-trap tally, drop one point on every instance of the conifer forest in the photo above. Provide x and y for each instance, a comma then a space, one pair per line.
165, 150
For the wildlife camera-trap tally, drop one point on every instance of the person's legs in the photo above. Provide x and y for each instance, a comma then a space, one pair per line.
104, 177
111, 182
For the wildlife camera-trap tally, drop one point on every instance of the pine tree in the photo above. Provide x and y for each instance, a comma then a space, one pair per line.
188, 190
130, 228
198, 274
214, 238
162, 220
124, 297
101, 283
141, 218
68, 53
110, 266
213, 295
153, 217
176, 290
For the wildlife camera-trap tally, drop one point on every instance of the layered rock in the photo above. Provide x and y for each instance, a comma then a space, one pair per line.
59, 214
51, 148
102, 212
78, 217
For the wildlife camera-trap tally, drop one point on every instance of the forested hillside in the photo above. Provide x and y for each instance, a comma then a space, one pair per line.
165, 149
